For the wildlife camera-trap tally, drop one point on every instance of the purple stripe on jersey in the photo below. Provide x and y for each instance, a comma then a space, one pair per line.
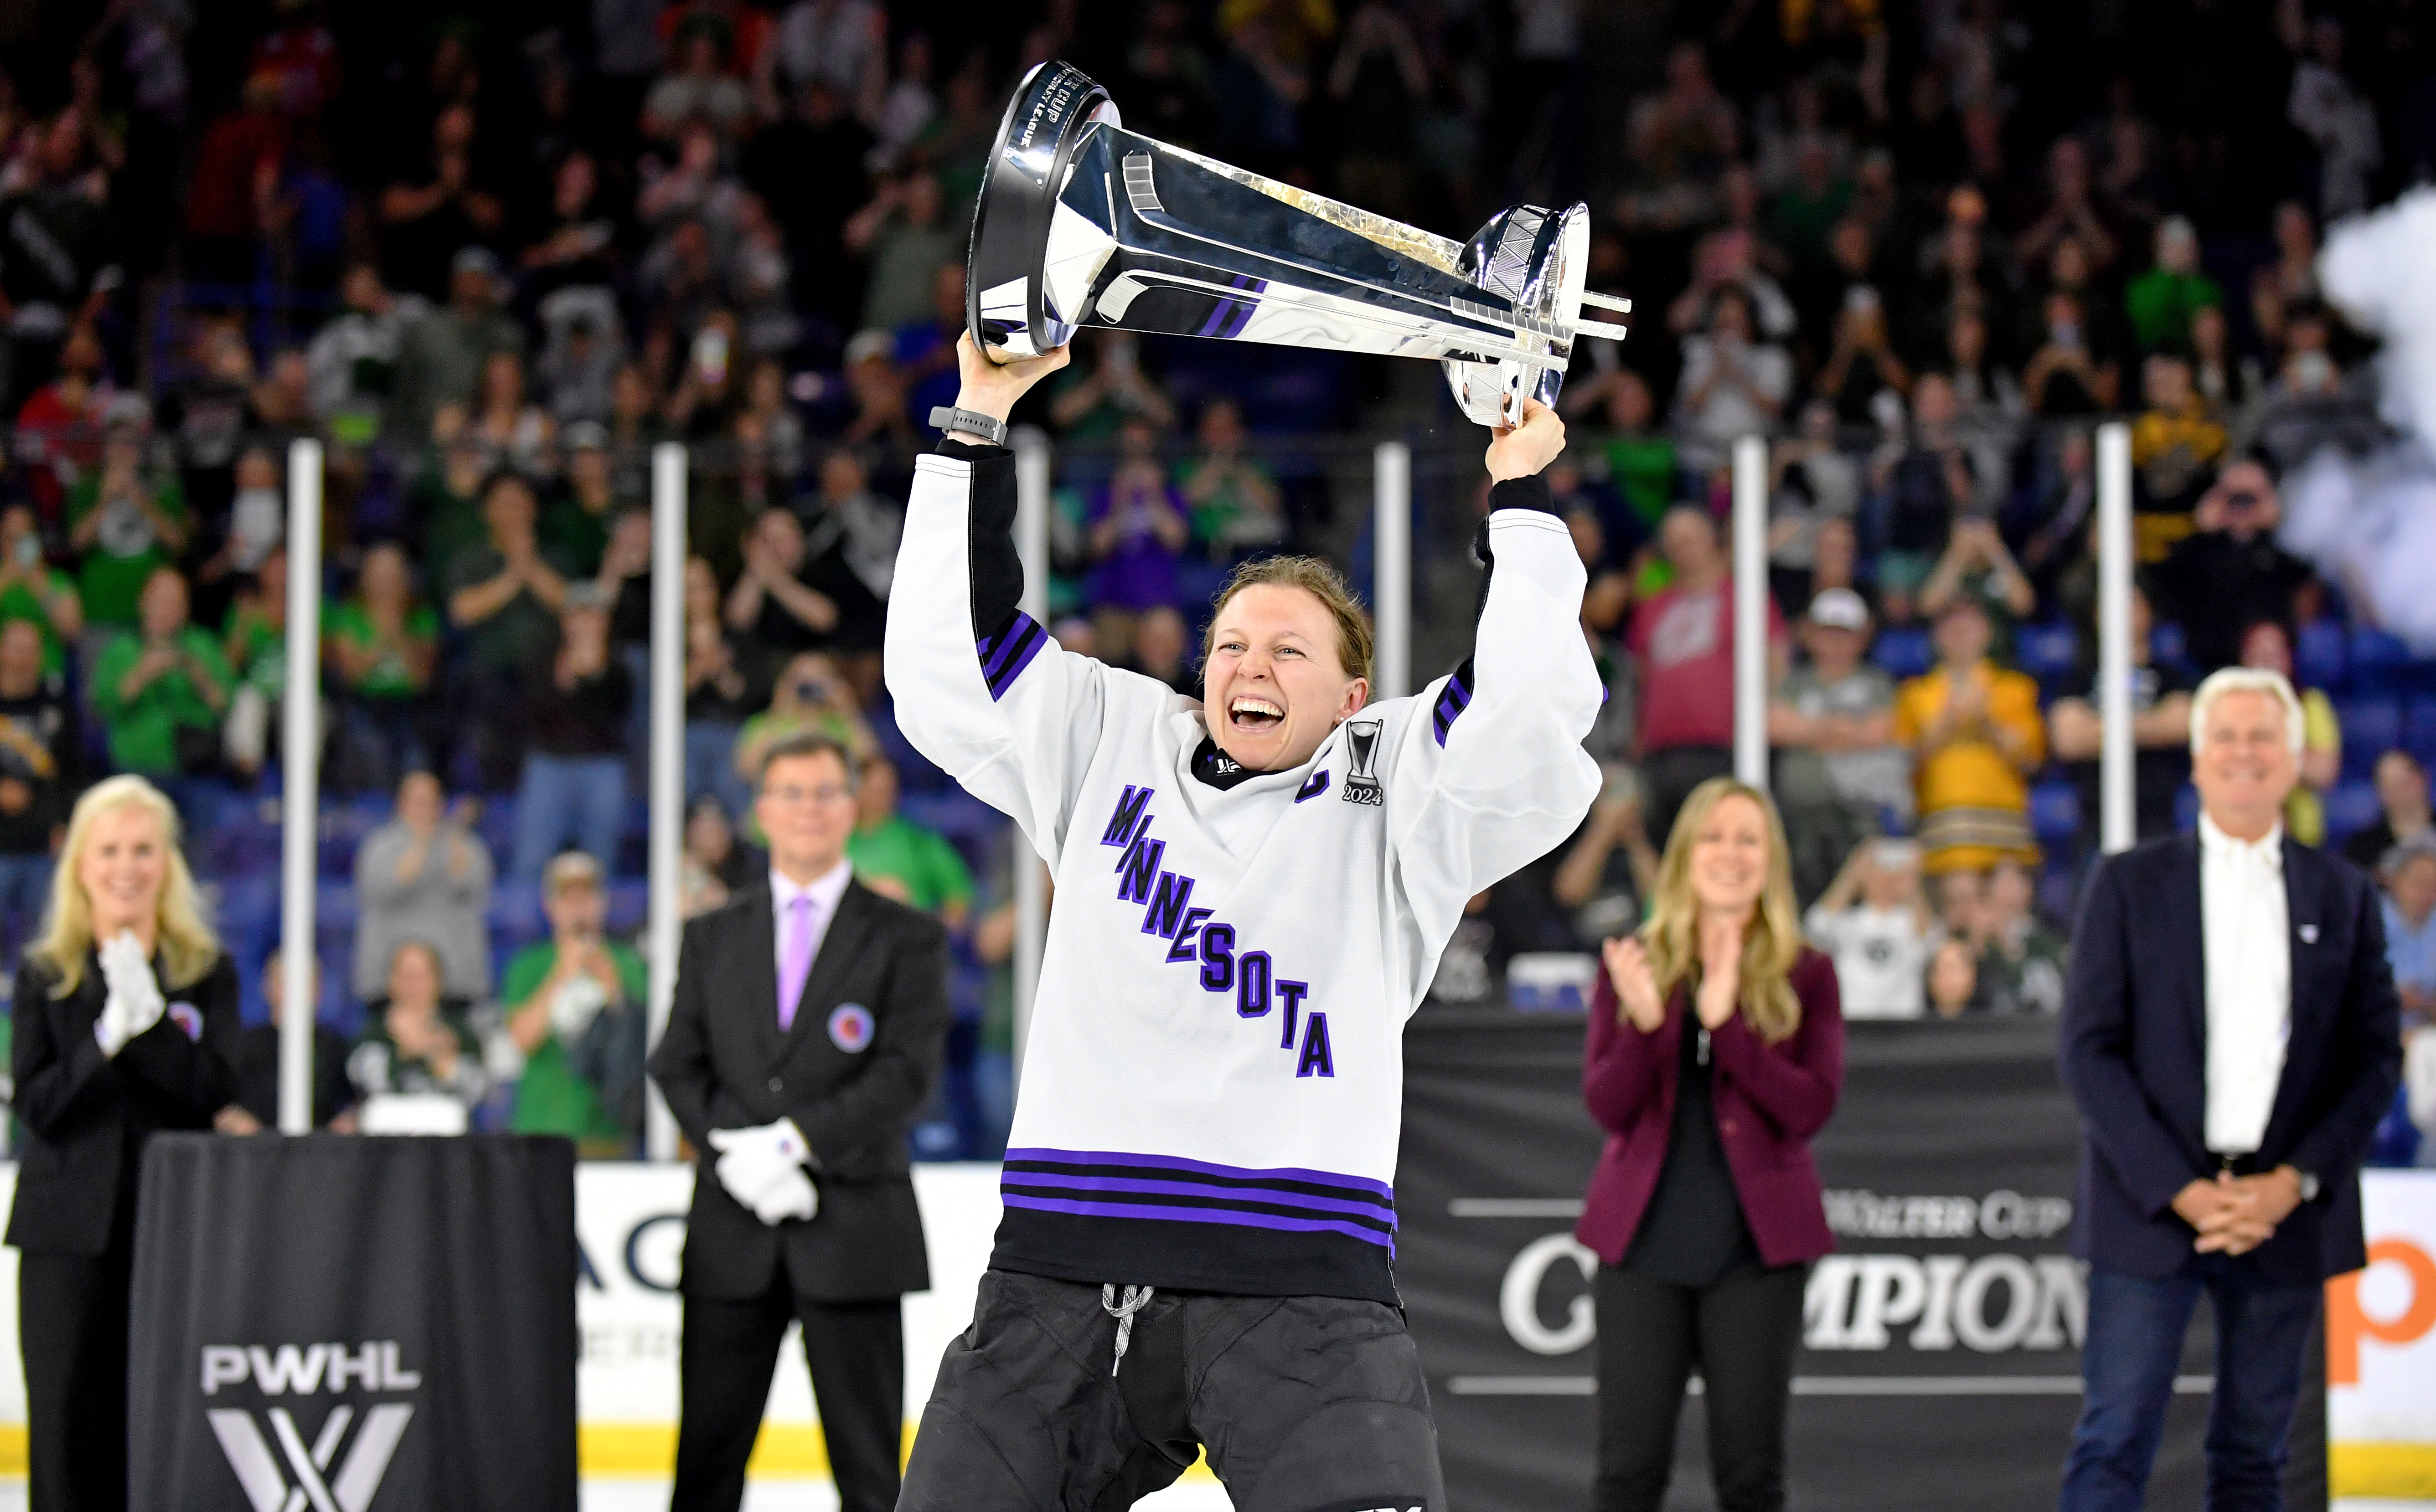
1272, 1195
1203, 1215
1169, 1162
1004, 660
1452, 701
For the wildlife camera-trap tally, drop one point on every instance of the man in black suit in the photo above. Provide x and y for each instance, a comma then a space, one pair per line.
2230, 1037
809, 1019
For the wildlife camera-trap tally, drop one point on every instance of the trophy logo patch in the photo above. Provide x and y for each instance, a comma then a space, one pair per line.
1361, 762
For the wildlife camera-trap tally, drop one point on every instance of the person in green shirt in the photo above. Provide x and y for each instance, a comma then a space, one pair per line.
1641, 461
33, 590
896, 857
163, 686
380, 647
2161, 300
575, 1009
122, 525
1236, 512
446, 500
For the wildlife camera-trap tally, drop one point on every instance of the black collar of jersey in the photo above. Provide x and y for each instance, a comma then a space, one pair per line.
1218, 768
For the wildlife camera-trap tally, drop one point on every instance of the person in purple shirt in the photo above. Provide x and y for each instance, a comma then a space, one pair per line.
1137, 530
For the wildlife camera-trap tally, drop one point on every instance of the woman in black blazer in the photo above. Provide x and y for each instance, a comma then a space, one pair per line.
125, 1023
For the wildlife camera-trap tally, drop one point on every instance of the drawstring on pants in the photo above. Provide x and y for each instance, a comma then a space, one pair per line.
1136, 1298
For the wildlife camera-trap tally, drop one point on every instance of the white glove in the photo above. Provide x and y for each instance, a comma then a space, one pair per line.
764, 1164
793, 1195
134, 1002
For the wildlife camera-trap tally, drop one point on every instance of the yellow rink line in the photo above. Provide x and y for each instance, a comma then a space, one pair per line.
2398, 1472
784, 1452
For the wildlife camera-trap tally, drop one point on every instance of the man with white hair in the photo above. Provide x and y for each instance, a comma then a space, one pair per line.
2230, 1036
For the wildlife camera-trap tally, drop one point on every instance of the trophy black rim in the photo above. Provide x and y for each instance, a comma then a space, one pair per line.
1036, 208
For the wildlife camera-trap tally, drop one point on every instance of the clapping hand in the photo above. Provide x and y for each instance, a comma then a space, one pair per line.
1636, 987
134, 1002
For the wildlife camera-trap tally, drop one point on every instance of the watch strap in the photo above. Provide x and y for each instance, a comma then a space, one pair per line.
949, 420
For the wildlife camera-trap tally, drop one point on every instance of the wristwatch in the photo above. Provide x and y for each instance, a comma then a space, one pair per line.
949, 419
2309, 1181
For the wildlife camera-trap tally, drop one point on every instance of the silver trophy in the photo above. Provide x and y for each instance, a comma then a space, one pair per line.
1082, 222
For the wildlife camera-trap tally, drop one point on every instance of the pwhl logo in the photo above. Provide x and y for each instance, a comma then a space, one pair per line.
337, 1472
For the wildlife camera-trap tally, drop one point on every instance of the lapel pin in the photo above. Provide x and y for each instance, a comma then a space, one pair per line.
2308, 935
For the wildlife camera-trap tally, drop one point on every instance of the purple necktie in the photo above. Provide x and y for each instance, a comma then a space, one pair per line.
797, 963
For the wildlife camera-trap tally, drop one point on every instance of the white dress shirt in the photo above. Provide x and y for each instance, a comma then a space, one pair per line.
824, 890
2246, 935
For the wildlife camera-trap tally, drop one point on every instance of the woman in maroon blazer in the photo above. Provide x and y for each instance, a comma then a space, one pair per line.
1716, 1051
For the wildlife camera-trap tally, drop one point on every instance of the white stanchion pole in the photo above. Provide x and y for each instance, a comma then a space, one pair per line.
1750, 610
667, 804
1391, 567
300, 756
1031, 882
2117, 824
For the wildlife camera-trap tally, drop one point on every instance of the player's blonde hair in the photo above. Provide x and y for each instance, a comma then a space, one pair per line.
184, 938
1323, 582
1772, 939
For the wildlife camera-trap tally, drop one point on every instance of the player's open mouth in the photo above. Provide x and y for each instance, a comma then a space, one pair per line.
1254, 714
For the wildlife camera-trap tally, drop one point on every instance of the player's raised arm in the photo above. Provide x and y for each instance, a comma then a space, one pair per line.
1494, 774
980, 689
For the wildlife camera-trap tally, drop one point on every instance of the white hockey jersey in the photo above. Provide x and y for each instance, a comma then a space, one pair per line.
1213, 1077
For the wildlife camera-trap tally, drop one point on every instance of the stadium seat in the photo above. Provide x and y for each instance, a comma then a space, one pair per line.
2351, 807
2047, 651
2168, 646
2372, 727
1904, 651
2055, 813
2320, 659
2186, 810
2418, 729
2380, 661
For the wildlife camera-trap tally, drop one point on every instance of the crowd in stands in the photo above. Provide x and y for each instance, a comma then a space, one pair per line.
1923, 249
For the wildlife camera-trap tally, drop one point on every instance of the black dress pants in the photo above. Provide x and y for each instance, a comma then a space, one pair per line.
856, 1352
1741, 1331
72, 1328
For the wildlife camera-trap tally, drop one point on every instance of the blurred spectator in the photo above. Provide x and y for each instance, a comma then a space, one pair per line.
717, 696
161, 690
1684, 638
1862, 365
2408, 872
378, 646
2402, 801
583, 347
1640, 459
808, 168
717, 863
39, 748
501, 419
808, 696
1974, 732
415, 1041
1138, 529
2056, 527
770, 608
440, 359
1875, 921
841, 44
57, 263
124, 525
1832, 722
576, 246
2338, 119
576, 521
697, 89
782, 433
2231, 574
2021, 964
35, 592
2290, 279
2268, 645
257, 1105
1953, 979
575, 1012
877, 389
504, 595
1610, 867
2160, 738
424, 226
1978, 566
57, 422
574, 785
1236, 512
254, 523
1923, 488
1161, 651
424, 875
2064, 376
2071, 213
253, 642
905, 236
1987, 400
444, 504
1681, 139
1379, 82
850, 539
2163, 301
1834, 553
896, 857
2227, 382
1114, 394
2174, 444
1730, 386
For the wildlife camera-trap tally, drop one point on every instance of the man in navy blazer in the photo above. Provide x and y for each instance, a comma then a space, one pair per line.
2231, 1039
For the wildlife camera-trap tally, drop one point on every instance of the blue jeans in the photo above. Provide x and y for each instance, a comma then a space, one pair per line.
2128, 1360
710, 767
563, 798
24, 892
